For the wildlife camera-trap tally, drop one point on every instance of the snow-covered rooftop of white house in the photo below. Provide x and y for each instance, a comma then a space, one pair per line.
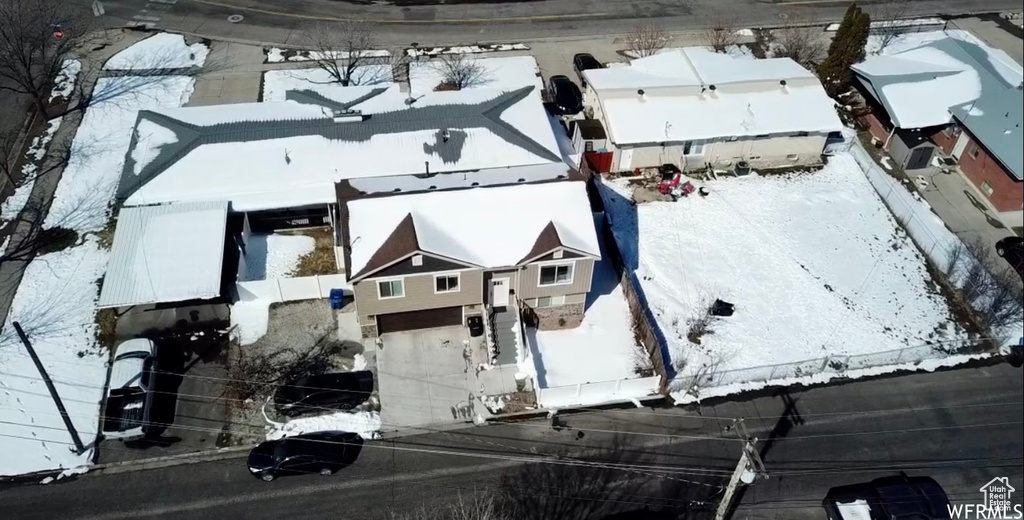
693, 93
290, 153
476, 226
166, 253
926, 78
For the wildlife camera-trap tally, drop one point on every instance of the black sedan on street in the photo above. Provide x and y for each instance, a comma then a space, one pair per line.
321, 452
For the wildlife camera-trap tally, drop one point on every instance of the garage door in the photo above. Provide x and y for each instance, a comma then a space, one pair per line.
400, 321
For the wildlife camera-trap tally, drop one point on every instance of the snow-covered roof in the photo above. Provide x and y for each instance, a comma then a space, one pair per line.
693, 93
290, 153
925, 85
166, 253
473, 226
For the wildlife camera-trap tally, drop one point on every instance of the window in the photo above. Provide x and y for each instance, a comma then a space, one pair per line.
974, 151
987, 189
550, 301
444, 283
417, 260
555, 274
693, 148
391, 288
557, 254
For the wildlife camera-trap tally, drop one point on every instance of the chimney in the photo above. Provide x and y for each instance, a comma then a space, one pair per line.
784, 85
348, 116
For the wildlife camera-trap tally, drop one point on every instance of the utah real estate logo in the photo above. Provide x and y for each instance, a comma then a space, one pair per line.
995, 503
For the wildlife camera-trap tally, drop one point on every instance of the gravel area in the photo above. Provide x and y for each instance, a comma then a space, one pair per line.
303, 337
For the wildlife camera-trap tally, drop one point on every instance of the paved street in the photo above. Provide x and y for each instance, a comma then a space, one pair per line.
282, 21
962, 427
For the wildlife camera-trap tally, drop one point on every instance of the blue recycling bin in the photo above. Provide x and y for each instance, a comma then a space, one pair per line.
337, 297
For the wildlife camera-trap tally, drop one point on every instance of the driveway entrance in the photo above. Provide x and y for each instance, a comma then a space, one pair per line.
424, 378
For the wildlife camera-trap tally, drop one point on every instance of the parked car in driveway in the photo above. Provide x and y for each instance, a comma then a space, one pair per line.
321, 452
1012, 250
584, 61
565, 95
129, 400
336, 391
888, 498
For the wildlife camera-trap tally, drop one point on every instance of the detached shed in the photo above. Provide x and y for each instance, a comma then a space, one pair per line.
912, 149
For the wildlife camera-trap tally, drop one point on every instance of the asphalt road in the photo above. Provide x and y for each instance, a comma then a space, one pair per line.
963, 427
282, 21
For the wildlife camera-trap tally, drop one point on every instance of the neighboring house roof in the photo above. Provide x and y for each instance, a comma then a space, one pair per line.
286, 154
693, 93
950, 77
483, 227
166, 253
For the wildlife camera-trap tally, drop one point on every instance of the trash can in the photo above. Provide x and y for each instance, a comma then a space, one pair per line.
476, 326
337, 297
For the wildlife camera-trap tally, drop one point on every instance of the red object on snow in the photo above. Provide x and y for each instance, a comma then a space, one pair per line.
58, 34
669, 181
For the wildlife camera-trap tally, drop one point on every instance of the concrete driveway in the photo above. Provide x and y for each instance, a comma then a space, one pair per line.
423, 378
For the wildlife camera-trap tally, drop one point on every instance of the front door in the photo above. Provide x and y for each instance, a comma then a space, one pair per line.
958, 148
499, 292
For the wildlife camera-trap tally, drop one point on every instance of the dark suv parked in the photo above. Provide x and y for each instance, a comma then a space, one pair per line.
320, 452
1012, 249
582, 62
338, 391
888, 498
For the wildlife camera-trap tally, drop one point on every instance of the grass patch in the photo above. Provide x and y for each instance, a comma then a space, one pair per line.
321, 259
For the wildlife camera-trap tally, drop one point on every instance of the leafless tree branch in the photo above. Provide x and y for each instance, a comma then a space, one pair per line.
347, 52
459, 72
722, 31
645, 40
888, 14
799, 42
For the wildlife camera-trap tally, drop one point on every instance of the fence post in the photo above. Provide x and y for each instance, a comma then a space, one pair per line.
579, 390
900, 356
280, 294
319, 291
618, 385
771, 375
824, 364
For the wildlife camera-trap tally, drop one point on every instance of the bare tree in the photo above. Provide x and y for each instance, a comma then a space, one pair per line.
799, 41
36, 38
645, 40
1005, 301
347, 52
722, 31
459, 72
888, 14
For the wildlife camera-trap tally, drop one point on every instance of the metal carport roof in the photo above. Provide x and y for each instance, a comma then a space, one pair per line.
166, 253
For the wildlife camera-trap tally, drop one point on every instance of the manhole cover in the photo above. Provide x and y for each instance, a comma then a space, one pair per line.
783, 15
235, 18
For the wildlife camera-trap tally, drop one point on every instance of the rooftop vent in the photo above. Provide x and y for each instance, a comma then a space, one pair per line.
713, 90
348, 116
643, 95
784, 85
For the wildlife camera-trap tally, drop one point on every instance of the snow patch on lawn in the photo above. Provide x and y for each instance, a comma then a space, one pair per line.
467, 49
160, 51
928, 365
90, 179
10, 208
55, 304
249, 320
64, 82
276, 83
814, 262
602, 348
279, 55
366, 424
506, 74
275, 256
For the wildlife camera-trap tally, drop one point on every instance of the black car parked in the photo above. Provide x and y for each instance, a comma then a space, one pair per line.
1012, 249
565, 95
320, 452
338, 391
887, 498
582, 62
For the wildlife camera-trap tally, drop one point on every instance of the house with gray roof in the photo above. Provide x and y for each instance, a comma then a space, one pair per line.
956, 96
274, 165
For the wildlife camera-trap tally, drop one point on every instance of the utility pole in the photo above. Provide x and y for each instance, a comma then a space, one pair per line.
748, 469
79, 447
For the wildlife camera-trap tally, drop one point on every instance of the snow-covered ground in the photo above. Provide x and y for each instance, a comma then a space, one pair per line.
814, 263
602, 348
160, 51
276, 83
275, 256
278, 55
508, 73
12, 206
366, 424
467, 49
56, 301
55, 304
90, 179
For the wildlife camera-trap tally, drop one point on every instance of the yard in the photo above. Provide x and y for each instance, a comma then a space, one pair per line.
813, 262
